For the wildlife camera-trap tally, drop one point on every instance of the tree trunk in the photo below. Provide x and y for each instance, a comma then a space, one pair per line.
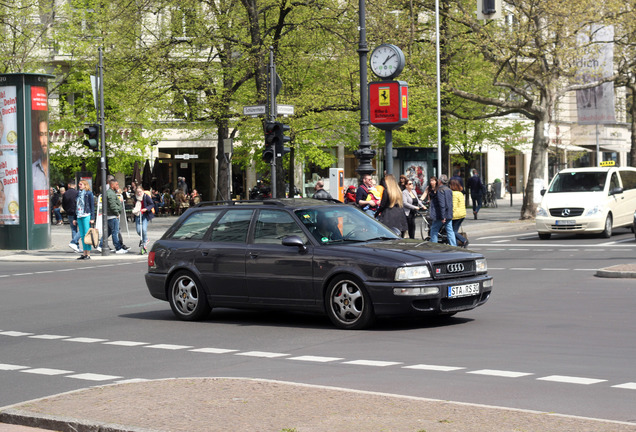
222, 183
537, 165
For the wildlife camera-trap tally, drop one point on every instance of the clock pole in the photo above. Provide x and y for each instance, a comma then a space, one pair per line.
365, 153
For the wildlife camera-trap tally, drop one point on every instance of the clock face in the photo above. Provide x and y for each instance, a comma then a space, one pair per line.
387, 61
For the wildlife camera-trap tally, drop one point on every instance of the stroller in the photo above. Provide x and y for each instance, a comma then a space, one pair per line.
425, 228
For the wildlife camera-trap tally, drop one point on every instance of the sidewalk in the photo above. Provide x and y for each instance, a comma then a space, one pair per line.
243, 404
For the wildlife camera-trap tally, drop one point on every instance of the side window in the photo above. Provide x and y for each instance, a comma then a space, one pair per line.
273, 225
629, 179
614, 182
232, 227
195, 227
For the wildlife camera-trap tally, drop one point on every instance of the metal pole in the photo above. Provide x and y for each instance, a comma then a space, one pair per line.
105, 247
439, 97
365, 153
272, 113
388, 158
598, 149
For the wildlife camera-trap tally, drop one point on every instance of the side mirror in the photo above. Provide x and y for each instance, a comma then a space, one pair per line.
543, 191
396, 231
294, 240
616, 190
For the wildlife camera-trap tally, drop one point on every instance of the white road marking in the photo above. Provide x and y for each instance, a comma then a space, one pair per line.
263, 354
555, 269
47, 371
94, 377
571, 379
433, 367
628, 386
214, 350
500, 373
9, 367
48, 337
501, 241
85, 340
168, 346
126, 343
523, 268
372, 363
318, 359
15, 333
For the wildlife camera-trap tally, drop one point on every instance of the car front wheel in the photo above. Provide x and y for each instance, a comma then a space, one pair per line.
348, 304
607, 232
187, 298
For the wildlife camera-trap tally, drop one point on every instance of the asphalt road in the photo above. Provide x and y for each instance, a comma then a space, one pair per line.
552, 338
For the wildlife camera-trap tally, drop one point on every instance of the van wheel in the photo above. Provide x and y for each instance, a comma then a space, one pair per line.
545, 236
607, 232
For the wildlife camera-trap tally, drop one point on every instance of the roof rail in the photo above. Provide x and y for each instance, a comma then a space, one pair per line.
235, 202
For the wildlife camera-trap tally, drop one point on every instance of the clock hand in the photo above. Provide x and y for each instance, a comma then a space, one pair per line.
388, 58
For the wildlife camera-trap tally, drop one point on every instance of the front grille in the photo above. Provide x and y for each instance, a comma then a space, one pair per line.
449, 305
566, 227
453, 269
566, 212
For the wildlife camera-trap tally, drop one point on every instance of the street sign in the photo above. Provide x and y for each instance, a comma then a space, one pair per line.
186, 156
284, 109
254, 110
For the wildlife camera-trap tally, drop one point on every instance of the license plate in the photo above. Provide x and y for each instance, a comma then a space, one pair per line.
463, 290
565, 222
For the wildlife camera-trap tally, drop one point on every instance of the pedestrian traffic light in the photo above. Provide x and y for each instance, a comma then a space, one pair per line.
281, 139
92, 137
270, 138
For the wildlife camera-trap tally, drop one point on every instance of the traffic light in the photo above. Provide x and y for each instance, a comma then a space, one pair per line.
92, 137
281, 139
270, 137
488, 7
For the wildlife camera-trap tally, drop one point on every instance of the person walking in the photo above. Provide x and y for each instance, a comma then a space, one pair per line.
476, 187
143, 212
85, 212
459, 211
442, 211
391, 209
115, 207
430, 190
411, 205
69, 205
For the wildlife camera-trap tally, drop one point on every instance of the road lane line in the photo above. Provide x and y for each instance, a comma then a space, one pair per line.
15, 333
85, 340
47, 371
628, 386
168, 347
500, 373
262, 354
214, 350
48, 337
372, 363
318, 359
10, 367
571, 379
523, 268
433, 367
126, 343
94, 377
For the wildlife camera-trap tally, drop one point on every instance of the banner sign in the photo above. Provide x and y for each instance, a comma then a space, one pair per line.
388, 104
40, 154
596, 105
9, 182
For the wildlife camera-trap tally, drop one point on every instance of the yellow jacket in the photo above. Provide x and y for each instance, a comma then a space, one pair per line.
459, 205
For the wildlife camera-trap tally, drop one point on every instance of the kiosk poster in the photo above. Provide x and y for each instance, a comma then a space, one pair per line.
40, 154
9, 193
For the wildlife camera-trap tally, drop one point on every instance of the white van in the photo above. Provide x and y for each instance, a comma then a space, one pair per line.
588, 200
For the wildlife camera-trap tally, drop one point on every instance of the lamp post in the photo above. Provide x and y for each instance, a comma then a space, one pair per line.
439, 97
365, 153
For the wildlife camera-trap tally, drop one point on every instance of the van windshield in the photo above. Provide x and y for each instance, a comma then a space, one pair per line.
589, 181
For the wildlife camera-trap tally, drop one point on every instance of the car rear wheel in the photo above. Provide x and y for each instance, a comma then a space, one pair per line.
607, 232
187, 298
545, 236
348, 304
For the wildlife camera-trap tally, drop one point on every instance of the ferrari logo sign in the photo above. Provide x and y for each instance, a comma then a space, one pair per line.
388, 104
384, 96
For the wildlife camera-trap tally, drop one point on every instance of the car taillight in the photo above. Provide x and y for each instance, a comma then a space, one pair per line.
151, 259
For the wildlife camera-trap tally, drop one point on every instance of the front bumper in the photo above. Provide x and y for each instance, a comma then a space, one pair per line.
385, 302
573, 225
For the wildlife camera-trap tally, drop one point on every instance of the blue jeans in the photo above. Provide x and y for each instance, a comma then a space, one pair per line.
113, 230
456, 224
141, 223
437, 225
477, 200
75, 235
58, 214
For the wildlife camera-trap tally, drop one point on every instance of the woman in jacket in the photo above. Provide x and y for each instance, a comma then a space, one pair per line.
143, 212
430, 190
391, 209
411, 205
459, 211
84, 215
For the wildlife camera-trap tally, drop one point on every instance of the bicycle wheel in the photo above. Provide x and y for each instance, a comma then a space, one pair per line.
424, 227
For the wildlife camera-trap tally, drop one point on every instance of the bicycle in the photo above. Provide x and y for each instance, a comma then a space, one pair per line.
490, 199
425, 228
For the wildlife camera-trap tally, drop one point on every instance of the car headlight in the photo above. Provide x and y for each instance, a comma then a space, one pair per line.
594, 210
481, 266
542, 212
412, 273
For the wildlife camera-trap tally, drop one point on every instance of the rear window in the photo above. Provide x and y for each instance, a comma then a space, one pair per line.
195, 227
588, 181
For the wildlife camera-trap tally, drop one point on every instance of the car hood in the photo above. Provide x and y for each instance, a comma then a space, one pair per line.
572, 199
407, 250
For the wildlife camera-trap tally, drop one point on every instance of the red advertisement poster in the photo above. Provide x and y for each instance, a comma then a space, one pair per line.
40, 154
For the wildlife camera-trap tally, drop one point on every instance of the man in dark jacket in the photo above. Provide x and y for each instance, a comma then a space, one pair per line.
321, 193
476, 191
441, 211
68, 204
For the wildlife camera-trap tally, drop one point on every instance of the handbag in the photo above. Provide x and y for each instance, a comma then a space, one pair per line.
92, 237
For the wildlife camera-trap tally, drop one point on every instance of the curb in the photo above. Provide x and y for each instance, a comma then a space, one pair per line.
62, 424
615, 274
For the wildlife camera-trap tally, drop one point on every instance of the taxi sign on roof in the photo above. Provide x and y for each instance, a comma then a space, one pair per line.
607, 163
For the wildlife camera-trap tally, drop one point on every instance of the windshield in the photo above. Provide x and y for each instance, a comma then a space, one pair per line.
342, 223
579, 182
